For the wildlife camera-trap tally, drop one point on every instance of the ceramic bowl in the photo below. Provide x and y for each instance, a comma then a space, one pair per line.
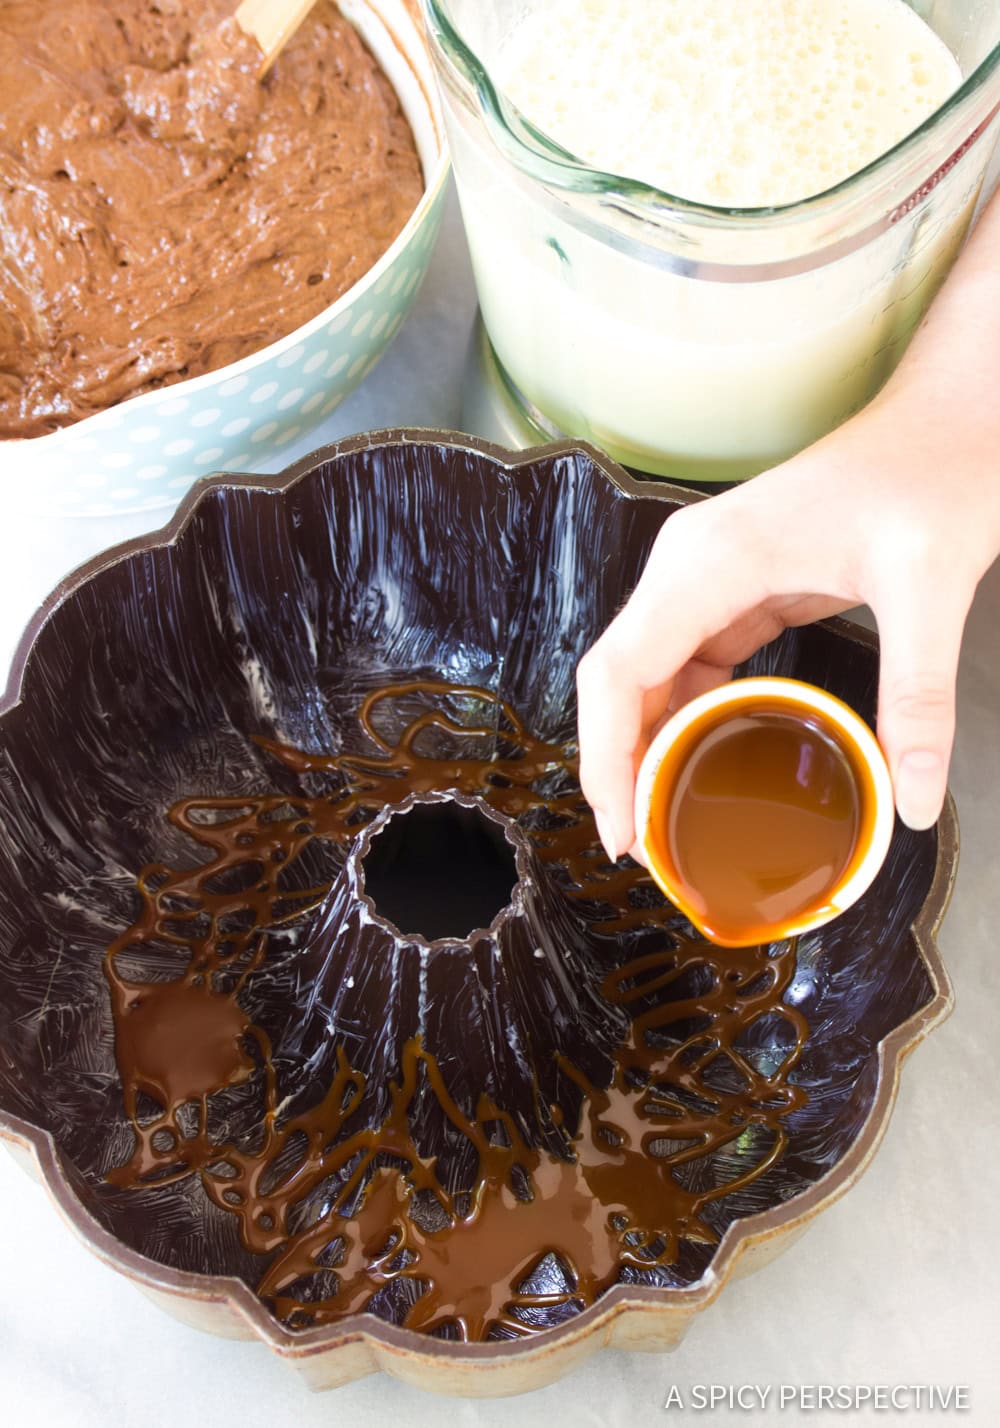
228, 658
144, 453
872, 781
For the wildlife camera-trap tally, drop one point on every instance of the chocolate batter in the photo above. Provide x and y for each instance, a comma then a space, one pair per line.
162, 211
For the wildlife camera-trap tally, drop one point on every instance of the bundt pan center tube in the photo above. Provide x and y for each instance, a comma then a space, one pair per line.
324, 1017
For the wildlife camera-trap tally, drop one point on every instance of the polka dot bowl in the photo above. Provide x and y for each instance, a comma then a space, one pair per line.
144, 454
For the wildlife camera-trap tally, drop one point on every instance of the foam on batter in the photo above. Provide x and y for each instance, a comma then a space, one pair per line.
739, 105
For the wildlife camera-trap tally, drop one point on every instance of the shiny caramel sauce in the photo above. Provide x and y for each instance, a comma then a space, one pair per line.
616, 1198
757, 820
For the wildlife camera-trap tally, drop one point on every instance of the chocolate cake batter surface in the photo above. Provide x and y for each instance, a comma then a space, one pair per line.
162, 211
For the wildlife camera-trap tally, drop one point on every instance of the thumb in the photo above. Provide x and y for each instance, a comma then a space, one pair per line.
920, 629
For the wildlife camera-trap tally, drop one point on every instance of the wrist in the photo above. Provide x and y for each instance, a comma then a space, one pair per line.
936, 435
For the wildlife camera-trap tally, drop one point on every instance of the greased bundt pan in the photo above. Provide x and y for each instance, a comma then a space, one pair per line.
324, 1018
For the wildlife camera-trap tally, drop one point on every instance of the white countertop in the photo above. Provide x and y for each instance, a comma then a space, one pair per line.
897, 1284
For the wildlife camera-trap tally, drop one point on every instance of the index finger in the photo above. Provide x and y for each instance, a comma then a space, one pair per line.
625, 681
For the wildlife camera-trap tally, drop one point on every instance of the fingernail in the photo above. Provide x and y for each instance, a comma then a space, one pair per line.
606, 834
919, 788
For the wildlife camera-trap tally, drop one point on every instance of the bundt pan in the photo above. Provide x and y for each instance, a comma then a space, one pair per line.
324, 1018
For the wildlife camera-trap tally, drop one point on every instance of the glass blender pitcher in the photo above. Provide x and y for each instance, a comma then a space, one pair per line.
695, 342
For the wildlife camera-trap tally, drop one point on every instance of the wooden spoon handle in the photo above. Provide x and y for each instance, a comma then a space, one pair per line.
272, 23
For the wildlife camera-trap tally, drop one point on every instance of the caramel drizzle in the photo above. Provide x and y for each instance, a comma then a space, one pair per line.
612, 1200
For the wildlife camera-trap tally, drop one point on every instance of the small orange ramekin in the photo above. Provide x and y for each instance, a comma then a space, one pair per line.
695, 720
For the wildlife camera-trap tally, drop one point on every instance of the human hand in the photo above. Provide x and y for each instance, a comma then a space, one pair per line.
898, 509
